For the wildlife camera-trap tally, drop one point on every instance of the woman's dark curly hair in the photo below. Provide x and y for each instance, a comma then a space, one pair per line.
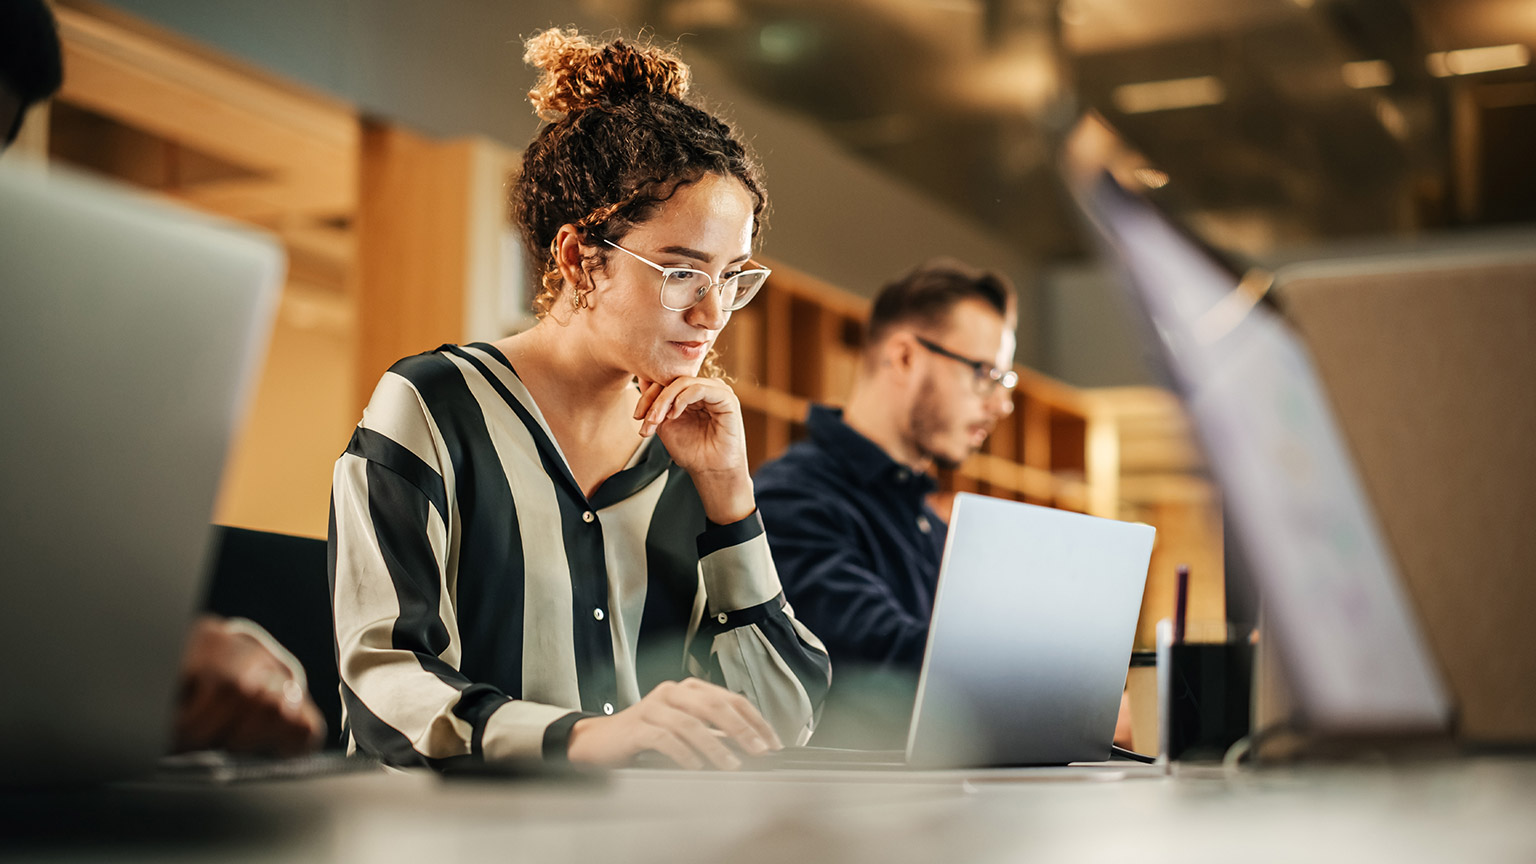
620, 140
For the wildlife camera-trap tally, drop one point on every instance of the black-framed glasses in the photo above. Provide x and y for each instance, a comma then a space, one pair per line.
986, 377
683, 288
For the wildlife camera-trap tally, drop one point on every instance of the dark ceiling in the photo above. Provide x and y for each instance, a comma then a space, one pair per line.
1275, 122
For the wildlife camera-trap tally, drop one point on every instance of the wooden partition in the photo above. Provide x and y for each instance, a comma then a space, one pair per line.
1429, 360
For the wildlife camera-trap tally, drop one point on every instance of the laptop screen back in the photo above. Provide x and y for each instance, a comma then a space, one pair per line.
129, 334
1343, 625
1031, 636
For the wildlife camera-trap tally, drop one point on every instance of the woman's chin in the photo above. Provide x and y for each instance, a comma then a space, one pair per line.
667, 372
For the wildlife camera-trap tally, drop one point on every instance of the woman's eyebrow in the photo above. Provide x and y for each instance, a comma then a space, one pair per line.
704, 257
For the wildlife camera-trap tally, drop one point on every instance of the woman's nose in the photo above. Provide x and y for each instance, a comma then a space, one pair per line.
710, 312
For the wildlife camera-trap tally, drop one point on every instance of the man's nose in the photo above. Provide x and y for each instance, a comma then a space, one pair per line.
1000, 403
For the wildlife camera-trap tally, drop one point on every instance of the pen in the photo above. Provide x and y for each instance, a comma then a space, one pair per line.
1181, 604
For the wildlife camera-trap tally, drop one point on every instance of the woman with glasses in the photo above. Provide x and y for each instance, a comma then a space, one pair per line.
548, 546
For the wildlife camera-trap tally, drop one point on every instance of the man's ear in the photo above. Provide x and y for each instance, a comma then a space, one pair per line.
899, 355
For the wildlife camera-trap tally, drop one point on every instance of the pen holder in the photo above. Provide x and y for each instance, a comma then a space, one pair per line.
1204, 689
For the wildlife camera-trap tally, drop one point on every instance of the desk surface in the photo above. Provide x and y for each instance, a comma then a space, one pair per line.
1470, 810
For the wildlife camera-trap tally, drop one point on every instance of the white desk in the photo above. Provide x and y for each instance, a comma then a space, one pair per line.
1472, 810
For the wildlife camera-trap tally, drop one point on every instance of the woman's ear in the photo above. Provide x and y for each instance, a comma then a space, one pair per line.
567, 251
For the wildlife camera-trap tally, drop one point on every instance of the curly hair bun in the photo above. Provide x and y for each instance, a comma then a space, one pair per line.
579, 74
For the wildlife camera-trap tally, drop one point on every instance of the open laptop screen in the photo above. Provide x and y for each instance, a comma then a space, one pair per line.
1341, 619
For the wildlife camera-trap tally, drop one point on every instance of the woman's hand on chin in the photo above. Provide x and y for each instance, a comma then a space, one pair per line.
699, 421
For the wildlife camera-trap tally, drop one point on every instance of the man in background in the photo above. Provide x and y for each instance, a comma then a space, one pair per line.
854, 536
239, 690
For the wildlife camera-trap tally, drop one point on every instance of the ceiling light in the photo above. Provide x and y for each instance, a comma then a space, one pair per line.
1151, 177
1367, 73
1472, 61
1392, 119
785, 42
1167, 95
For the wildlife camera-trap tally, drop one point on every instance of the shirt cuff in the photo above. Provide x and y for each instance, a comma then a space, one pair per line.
716, 536
521, 730
283, 655
557, 737
737, 565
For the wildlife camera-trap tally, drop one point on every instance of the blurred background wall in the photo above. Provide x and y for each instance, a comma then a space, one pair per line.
374, 137
455, 69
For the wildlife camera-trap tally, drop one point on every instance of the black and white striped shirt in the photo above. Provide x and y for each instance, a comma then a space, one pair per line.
484, 604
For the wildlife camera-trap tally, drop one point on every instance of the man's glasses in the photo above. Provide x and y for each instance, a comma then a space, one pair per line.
987, 378
683, 288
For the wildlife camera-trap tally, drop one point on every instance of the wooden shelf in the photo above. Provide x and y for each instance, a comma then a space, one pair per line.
1163, 482
801, 342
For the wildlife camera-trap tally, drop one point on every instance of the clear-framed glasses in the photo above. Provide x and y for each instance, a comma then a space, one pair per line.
682, 288
986, 377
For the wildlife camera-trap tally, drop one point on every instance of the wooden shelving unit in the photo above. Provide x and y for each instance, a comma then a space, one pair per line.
1164, 483
799, 343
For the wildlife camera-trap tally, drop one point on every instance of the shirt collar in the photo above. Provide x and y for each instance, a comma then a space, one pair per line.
866, 462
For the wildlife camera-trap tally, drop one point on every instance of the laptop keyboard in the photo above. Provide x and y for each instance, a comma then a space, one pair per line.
217, 767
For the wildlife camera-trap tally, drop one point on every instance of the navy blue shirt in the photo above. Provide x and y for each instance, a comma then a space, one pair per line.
856, 545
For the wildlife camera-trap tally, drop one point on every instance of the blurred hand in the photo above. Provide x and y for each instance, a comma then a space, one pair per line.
1123, 722
699, 421
237, 694
689, 722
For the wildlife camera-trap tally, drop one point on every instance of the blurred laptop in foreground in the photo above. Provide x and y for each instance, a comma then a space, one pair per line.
130, 334
1334, 602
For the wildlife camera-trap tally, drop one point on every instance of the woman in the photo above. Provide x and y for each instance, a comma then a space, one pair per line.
543, 546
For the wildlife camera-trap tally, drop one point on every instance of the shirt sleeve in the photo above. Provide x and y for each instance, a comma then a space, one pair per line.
397, 638
836, 586
755, 645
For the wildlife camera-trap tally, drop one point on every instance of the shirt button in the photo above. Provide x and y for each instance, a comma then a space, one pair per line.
902, 475
598, 614
722, 617
588, 516
922, 524
607, 707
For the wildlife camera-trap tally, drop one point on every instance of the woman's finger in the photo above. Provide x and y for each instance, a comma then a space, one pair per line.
754, 718
729, 712
649, 390
711, 395
661, 406
683, 400
669, 744
695, 732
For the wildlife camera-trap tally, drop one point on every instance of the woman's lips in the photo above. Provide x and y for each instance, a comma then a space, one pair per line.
691, 350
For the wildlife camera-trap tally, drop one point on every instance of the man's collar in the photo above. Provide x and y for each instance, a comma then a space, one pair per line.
865, 459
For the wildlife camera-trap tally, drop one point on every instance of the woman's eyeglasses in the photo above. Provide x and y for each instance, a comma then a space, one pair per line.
987, 378
683, 288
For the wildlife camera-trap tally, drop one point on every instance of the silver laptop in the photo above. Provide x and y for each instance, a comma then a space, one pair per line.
130, 332
1028, 646
1031, 636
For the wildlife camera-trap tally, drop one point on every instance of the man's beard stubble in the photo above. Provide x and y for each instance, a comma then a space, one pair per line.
925, 424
